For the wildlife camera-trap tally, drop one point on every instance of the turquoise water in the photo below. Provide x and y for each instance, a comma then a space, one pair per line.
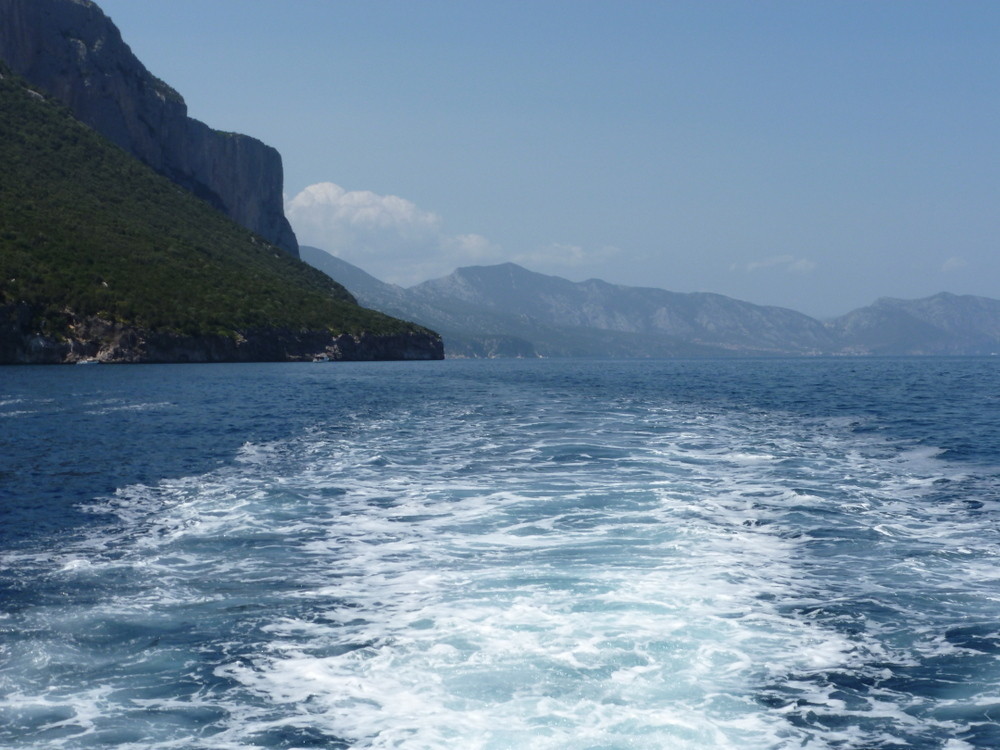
538, 554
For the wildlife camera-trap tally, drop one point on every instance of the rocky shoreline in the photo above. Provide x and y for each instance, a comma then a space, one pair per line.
98, 340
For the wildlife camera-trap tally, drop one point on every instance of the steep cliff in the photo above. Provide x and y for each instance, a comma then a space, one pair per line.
73, 52
103, 259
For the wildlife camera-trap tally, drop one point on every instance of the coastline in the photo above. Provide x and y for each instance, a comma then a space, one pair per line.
97, 340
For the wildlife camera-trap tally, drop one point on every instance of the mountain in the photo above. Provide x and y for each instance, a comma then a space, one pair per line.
368, 290
939, 325
468, 330
71, 51
103, 258
507, 310
704, 320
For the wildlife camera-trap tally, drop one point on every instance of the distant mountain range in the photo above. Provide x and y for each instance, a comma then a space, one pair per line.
509, 311
943, 324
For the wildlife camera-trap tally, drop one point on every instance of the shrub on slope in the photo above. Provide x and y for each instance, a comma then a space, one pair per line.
87, 230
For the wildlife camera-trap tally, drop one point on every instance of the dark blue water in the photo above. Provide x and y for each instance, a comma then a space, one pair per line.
544, 554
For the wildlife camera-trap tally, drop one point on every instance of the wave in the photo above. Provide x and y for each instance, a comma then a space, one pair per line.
555, 574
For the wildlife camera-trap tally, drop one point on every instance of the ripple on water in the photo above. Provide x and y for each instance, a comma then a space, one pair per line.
653, 575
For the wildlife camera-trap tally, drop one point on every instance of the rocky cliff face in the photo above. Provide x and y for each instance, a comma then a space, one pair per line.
93, 339
72, 51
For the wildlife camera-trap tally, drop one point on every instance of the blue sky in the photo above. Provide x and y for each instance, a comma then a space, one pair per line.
813, 155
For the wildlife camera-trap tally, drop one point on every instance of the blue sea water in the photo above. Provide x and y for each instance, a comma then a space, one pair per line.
503, 554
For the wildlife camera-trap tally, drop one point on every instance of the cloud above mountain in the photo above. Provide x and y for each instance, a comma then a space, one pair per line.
397, 241
390, 237
954, 264
563, 256
787, 263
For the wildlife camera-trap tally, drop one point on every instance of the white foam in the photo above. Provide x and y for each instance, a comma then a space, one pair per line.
449, 583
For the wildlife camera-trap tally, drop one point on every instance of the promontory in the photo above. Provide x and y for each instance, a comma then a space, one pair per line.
130, 232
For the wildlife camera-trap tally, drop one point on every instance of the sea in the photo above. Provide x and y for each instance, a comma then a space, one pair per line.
575, 554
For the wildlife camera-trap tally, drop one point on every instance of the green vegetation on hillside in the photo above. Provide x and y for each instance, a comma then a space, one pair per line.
86, 229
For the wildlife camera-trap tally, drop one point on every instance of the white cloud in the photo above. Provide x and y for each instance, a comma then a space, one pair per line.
559, 256
474, 246
389, 237
397, 241
788, 263
954, 264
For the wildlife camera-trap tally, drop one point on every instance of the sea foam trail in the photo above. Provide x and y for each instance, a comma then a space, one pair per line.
546, 575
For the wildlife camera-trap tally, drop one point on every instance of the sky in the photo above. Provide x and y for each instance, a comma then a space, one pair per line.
815, 155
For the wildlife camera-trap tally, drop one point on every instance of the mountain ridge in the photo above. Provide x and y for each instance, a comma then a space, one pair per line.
508, 310
942, 324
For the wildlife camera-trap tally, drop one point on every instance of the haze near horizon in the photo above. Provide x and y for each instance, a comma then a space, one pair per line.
813, 156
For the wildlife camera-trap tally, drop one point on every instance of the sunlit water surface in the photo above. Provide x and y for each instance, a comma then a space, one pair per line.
539, 554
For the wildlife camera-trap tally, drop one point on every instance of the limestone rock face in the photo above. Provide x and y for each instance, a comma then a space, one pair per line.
93, 339
73, 52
